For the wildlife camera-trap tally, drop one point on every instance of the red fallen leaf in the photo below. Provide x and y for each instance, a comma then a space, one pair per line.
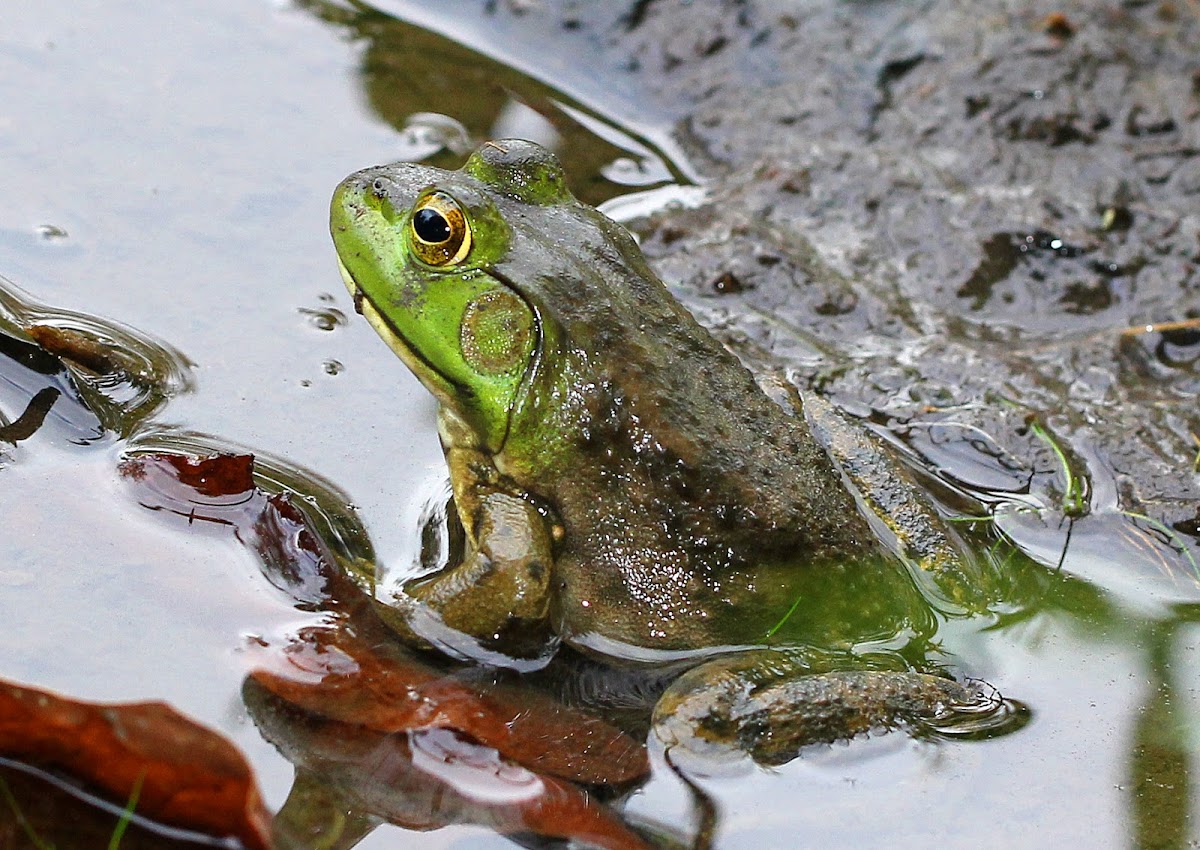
177, 479
191, 778
295, 559
422, 780
220, 489
339, 676
216, 475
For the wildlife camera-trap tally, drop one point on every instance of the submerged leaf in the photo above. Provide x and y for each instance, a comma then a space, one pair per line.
220, 489
39, 387
351, 777
186, 776
122, 375
337, 675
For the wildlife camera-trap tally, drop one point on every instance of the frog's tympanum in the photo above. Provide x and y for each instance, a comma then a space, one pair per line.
627, 487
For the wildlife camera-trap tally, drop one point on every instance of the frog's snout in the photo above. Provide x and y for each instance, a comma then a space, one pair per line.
349, 202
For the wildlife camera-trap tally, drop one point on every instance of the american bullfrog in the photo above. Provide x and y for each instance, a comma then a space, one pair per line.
626, 486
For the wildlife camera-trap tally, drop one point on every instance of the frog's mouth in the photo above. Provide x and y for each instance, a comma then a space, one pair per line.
442, 388
352, 286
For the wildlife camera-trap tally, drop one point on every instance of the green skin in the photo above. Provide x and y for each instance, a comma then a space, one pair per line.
624, 484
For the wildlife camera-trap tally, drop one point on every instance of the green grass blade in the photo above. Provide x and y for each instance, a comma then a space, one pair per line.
25, 825
114, 841
1072, 504
771, 631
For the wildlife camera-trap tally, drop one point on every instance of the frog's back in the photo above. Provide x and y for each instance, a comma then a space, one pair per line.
654, 400
678, 481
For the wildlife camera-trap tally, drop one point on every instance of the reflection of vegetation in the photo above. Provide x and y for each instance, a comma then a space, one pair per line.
1174, 539
1160, 774
407, 70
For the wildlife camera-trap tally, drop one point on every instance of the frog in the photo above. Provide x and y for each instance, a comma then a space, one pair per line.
624, 486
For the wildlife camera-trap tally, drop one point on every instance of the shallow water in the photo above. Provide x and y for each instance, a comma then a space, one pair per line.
169, 166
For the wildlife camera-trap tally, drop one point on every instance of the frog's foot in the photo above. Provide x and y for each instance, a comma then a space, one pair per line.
768, 704
495, 600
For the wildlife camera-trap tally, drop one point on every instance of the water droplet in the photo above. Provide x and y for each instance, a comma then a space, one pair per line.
51, 232
332, 367
326, 319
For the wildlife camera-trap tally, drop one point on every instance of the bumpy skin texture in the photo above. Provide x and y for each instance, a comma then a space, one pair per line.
621, 478
674, 484
770, 703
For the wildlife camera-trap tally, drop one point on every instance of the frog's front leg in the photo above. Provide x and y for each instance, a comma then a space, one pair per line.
499, 591
770, 703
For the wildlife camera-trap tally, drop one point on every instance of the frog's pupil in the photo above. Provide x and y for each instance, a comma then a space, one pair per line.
431, 226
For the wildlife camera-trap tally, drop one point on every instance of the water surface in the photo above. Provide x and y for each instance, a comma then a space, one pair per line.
169, 165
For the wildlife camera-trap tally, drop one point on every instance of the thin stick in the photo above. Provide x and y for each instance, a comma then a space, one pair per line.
1161, 327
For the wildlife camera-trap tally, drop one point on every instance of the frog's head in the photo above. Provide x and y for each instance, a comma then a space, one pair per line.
472, 276
419, 249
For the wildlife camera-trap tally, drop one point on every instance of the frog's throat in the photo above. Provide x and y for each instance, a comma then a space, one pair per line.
444, 390
441, 388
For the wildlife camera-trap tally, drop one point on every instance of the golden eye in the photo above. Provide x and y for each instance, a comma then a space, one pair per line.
439, 230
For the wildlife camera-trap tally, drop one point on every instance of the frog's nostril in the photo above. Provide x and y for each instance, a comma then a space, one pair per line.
378, 187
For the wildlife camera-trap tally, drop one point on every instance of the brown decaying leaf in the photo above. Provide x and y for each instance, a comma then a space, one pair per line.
337, 675
219, 489
423, 780
191, 778
181, 482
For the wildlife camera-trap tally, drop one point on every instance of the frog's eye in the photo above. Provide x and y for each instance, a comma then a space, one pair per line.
439, 231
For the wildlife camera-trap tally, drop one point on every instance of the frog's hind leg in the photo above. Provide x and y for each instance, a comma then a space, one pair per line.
769, 704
